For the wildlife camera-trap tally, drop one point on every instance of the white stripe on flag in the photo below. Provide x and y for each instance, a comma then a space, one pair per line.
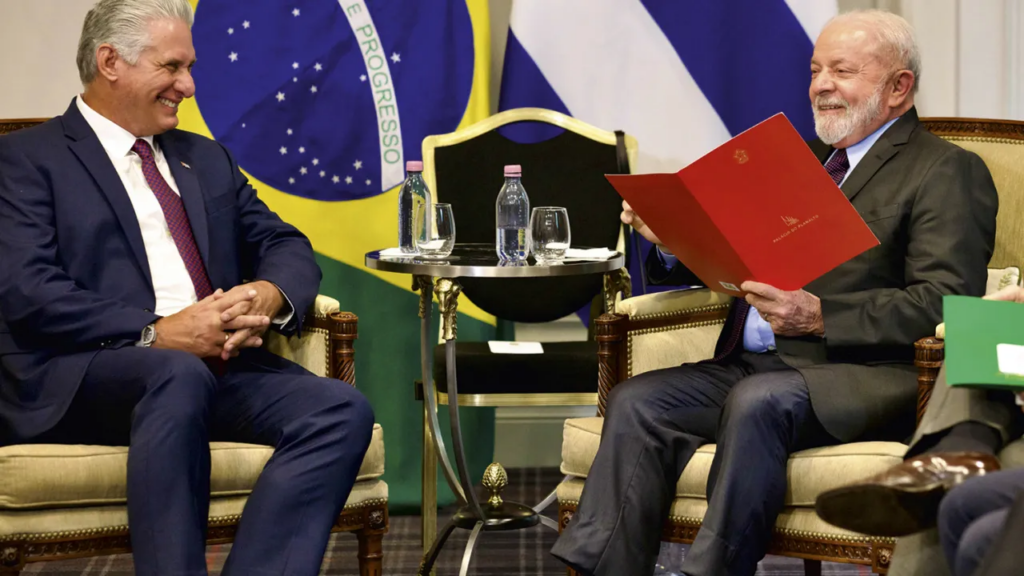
612, 66
813, 15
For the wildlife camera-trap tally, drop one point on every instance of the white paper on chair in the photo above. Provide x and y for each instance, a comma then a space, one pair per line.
498, 347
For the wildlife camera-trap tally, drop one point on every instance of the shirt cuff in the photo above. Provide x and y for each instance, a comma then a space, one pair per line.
287, 312
666, 258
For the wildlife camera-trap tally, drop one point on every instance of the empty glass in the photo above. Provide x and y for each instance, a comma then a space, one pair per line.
549, 227
438, 237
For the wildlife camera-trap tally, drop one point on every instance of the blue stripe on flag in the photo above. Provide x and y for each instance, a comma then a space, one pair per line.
751, 58
523, 85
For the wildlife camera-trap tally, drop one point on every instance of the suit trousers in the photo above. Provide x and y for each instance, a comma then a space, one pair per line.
951, 406
756, 409
166, 406
972, 516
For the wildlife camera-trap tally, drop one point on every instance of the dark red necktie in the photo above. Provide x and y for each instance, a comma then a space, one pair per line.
838, 165
177, 220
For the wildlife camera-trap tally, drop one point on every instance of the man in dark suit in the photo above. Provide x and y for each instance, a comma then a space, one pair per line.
140, 271
799, 369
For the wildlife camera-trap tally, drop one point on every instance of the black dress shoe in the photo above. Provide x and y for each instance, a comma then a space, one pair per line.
904, 499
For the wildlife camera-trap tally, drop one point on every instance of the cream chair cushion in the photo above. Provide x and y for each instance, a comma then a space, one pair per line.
42, 476
309, 349
792, 521
113, 519
809, 472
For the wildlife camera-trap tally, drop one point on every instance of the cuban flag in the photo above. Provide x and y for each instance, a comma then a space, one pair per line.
680, 76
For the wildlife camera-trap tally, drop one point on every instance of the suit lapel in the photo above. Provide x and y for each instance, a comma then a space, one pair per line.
191, 196
881, 151
86, 146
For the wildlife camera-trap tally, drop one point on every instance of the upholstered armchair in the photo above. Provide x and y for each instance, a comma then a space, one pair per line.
59, 502
667, 329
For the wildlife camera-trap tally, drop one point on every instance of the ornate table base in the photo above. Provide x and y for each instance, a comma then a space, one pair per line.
495, 514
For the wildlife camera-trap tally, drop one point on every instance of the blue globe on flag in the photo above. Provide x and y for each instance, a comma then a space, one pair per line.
325, 99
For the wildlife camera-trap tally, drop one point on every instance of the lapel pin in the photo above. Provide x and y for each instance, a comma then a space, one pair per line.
186, 165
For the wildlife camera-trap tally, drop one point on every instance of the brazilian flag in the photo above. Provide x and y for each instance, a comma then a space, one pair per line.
322, 102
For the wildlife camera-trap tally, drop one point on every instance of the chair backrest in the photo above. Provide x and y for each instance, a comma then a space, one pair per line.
1000, 143
464, 168
8, 126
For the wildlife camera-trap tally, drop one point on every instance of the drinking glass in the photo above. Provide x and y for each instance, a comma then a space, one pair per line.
549, 226
438, 232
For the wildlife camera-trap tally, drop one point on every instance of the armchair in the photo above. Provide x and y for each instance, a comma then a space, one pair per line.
59, 502
668, 329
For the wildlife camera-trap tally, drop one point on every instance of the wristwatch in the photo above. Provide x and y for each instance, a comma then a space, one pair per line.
148, 336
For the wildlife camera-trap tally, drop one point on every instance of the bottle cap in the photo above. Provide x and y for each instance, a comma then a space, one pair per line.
414, 166
513, 170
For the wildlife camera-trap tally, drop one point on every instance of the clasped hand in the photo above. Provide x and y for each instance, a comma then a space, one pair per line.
223, 323
790, 313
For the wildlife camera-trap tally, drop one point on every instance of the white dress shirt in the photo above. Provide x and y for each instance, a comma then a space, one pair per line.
172, 284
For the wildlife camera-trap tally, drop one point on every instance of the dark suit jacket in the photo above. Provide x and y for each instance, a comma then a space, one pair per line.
932, 206
75, 276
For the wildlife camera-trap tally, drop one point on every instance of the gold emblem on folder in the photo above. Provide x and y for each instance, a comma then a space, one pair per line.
790, 221
741, 156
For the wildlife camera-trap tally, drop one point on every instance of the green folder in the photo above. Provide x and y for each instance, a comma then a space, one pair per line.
984, 342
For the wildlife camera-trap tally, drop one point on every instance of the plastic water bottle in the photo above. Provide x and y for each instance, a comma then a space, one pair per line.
413, 195
512, 213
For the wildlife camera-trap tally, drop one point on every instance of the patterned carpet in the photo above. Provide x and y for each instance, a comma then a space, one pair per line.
521, 553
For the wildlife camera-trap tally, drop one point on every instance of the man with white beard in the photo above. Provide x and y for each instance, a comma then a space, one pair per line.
792, 370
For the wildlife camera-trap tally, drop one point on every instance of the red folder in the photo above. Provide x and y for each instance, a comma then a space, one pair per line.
759, 207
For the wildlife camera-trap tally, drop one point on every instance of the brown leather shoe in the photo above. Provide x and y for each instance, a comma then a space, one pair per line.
904, 499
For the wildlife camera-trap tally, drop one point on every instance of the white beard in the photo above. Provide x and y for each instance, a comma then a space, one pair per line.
831, 129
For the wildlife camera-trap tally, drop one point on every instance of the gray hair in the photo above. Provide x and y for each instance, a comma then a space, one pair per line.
124, 24
895, 36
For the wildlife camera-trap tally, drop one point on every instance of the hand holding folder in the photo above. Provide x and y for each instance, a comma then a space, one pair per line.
760, 207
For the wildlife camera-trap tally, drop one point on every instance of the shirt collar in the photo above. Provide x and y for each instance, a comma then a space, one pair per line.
115, 140
856, 152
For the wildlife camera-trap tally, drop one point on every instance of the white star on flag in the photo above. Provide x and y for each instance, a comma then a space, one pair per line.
303, 170
280, 96
243, 124
317, 67
294, 79
313, 89
295, 12
295, 65
245, 24
322, 173
231, 30
396, 57
367, 181
302, 149
358, 164
283, 150
316, 161
291, 180
289, 131
362, 78
348, 179
335, 179
233, 56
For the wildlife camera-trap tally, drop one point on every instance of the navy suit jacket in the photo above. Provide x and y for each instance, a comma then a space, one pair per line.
75, 277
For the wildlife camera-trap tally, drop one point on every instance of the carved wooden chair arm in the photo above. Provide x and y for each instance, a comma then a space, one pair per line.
928, 355
646, 314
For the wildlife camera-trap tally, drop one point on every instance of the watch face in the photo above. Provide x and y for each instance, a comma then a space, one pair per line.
148, 335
